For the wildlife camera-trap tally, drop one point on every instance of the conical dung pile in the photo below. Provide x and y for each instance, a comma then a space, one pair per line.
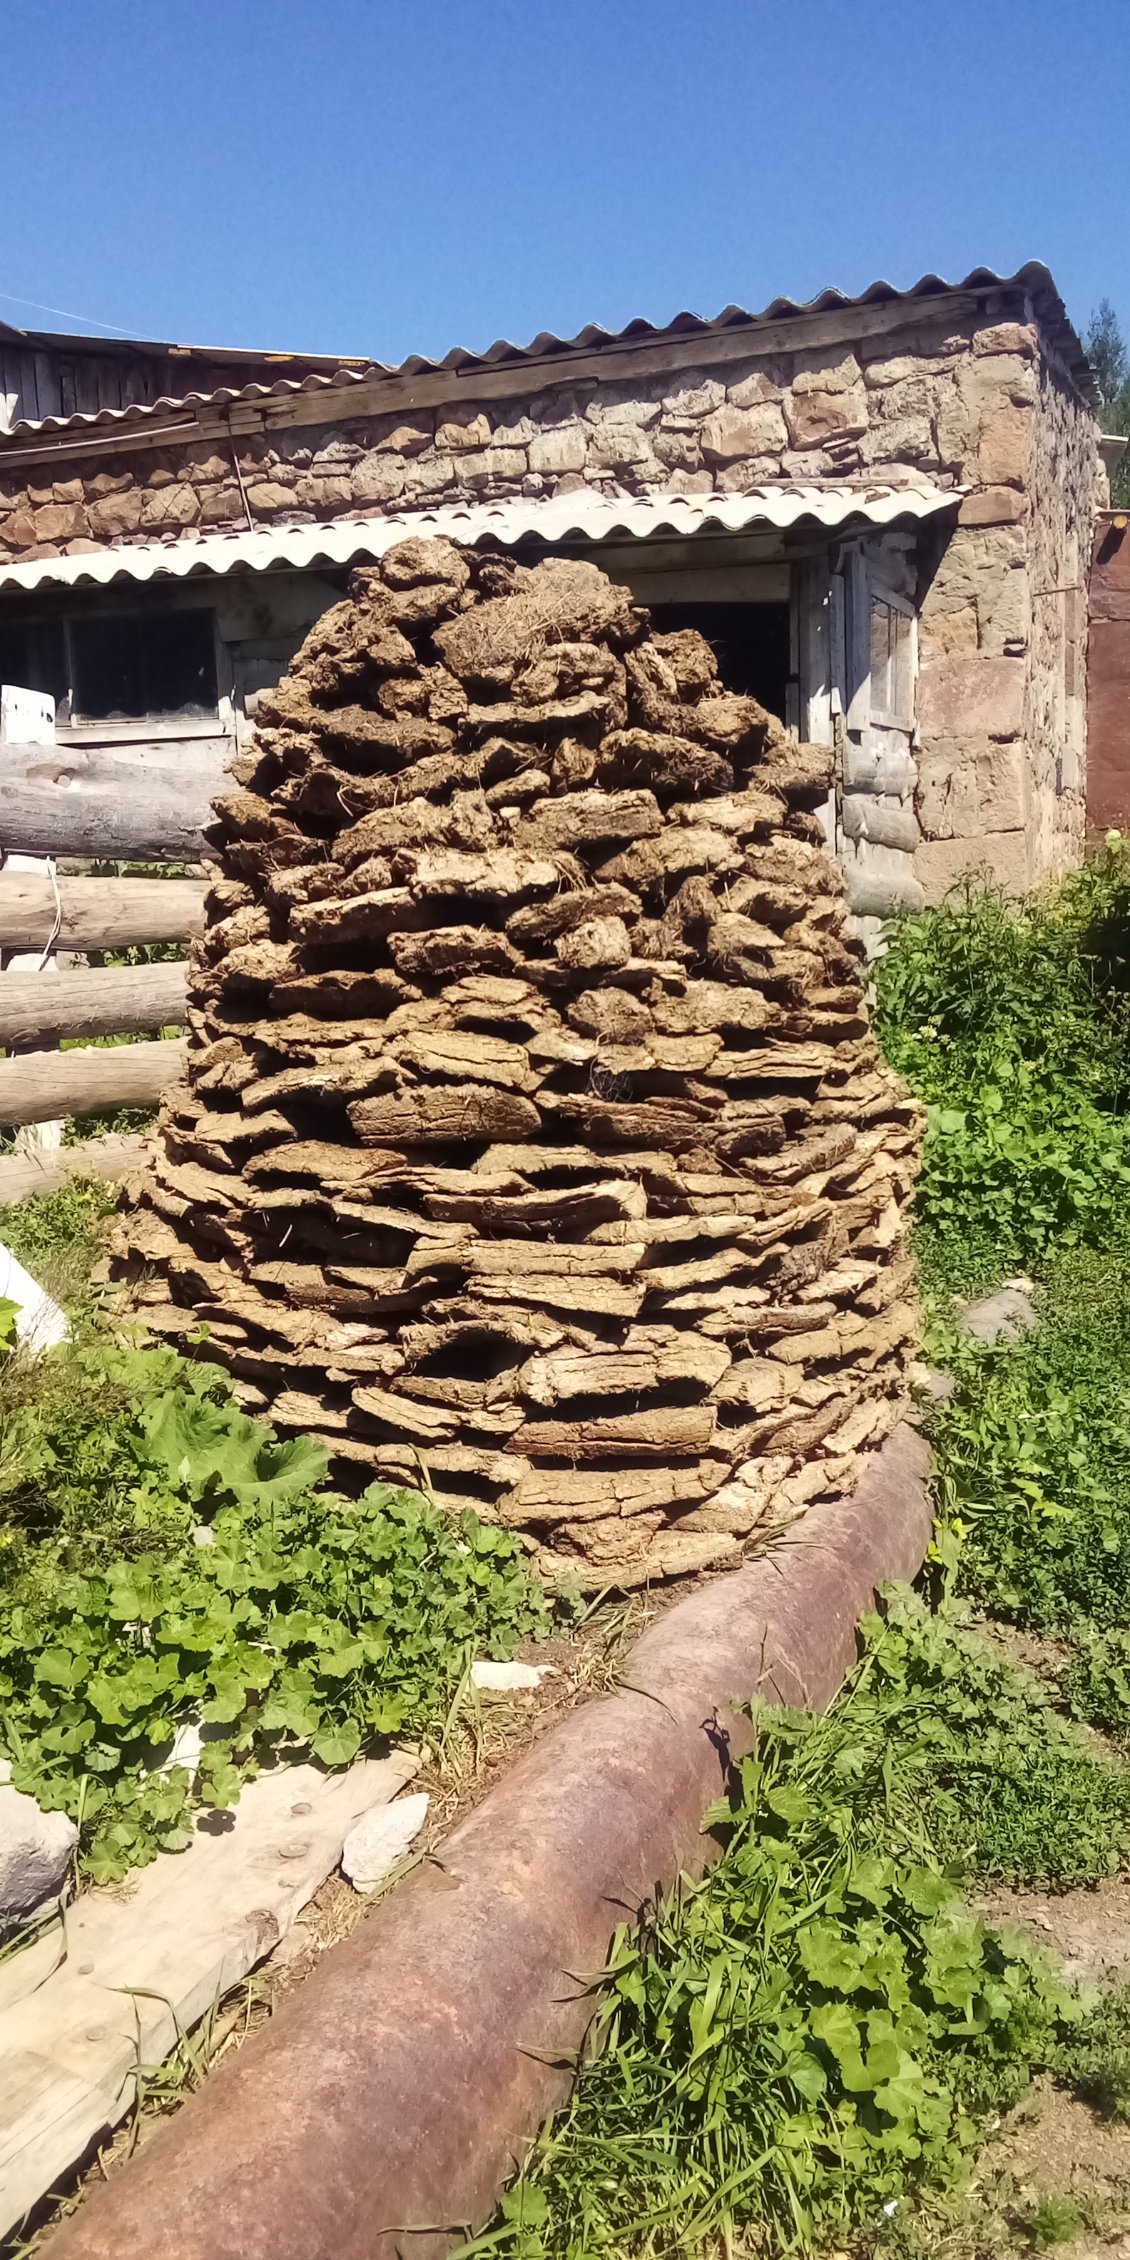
532, 1123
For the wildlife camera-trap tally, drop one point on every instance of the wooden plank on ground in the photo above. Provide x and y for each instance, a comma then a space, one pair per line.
43, 1085
110, 1157
130, 805
194, 1924
97, 913
112, 1000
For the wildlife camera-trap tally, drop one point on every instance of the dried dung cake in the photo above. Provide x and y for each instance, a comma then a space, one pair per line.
532, 1122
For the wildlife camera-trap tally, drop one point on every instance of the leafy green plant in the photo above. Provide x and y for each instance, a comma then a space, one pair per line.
1010, 1021
9, 1313
1032, 1454
57, 1235
819, 2028
77, 1486
169, 1560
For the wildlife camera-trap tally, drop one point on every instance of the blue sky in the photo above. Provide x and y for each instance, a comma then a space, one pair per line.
361, 176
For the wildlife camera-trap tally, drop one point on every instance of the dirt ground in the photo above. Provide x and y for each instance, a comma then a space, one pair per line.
1089, 1929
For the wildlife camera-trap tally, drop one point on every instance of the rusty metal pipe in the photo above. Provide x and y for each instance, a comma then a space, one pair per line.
391, 2096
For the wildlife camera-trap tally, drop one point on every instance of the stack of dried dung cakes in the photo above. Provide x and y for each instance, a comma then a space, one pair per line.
532, 1125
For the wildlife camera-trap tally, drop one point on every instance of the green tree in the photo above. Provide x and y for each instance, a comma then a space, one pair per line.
1110, 359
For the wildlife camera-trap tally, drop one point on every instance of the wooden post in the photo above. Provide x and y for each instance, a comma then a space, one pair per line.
109, 1158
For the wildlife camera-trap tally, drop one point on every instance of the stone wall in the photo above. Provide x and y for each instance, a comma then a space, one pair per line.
904, 404
1002, 630
959, 393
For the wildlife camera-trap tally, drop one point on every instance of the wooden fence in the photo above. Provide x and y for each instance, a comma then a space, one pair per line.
74, 805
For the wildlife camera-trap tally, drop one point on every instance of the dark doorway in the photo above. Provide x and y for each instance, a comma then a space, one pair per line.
750, 641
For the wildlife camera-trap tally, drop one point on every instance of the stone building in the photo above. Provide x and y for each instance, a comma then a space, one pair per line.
879, 511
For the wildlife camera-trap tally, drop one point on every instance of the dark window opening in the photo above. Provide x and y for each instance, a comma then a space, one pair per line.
750, 642
33, 657
117, 668
157, 664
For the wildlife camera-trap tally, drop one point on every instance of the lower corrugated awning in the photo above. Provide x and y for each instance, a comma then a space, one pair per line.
587, 517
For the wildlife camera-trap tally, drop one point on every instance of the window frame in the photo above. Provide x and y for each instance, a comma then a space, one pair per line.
163, 724
888, 717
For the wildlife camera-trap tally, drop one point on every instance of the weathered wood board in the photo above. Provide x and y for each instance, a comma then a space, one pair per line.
145, 1964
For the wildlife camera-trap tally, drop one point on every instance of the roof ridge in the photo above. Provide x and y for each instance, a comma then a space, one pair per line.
1033, 275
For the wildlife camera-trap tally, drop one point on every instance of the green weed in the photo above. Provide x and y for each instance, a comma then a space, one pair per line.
57, 1236
1095, 2055
1011, 1022
1009, 1789
165, 1557
1051, 2220
820, 2028
1032, 1455
1095, 1684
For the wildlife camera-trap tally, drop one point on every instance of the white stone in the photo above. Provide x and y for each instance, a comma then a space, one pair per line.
36, 1849
998, 1318
190, 1738
380, 478
39, 1322
734, 433
508, 1679
379, 1839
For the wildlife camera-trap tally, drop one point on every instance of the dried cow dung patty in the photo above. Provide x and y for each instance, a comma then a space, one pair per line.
532, 1121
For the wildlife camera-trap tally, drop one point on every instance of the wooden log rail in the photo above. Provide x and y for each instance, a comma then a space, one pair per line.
136, 804
42, 1086
105, 914
110, 1158
114, 1000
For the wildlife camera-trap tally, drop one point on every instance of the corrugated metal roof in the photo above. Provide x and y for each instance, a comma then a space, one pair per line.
1033, 278
168, 349
563, 518
47, 381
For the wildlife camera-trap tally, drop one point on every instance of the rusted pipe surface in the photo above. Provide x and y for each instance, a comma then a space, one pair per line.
392, 2093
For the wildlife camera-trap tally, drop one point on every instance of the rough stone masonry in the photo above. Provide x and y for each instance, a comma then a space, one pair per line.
978, 390
532, 1122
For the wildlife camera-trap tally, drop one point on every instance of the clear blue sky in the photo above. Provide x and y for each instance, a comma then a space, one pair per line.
361, 176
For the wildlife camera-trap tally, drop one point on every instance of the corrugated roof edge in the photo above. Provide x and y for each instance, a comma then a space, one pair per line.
589, 518
170, 349
1034, 278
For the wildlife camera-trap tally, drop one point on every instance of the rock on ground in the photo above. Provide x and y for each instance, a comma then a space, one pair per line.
508, 1679
379, 1839
36, 1849
1003, 1317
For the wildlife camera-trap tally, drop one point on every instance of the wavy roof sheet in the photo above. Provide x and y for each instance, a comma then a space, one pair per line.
1034, 279
568, 517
